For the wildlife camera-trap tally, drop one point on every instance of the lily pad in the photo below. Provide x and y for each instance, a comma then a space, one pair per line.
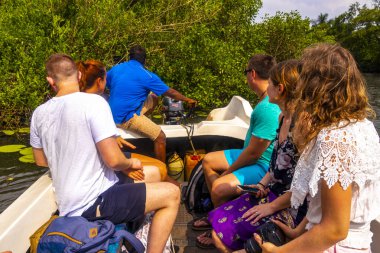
24, 130
27, 159
157, 116
9, 132
11, 148
26, 151
10, 179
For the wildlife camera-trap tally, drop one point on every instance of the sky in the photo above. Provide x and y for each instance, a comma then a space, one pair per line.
308, 8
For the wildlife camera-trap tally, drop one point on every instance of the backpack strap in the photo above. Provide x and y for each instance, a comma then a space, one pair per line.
36, 236
131, 238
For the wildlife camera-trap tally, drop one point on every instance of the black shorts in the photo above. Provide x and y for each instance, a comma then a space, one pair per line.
121, 203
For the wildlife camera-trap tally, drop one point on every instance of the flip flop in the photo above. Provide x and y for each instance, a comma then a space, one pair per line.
205, 226
205, 245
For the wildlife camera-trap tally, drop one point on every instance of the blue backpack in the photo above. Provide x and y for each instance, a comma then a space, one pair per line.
77, 234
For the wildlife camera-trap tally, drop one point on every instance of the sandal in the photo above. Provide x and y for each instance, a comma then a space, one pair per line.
203, 224
203, 245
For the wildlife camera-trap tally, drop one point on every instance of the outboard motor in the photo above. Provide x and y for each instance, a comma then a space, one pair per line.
173, 111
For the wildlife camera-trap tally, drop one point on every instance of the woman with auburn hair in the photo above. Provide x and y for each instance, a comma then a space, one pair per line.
93, 76
93, 80
339, 168
235, 221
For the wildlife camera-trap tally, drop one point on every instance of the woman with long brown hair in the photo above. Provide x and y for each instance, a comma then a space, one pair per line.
339, 168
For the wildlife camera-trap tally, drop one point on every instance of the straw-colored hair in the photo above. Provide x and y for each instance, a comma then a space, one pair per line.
331, 90
287, 73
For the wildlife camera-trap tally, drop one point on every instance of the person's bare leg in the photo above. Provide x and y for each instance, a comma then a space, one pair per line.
172, 181
214, 163
160, 153
151, 174
224, 188
155, 103
163, 198
219, 244
160, 147
152, 162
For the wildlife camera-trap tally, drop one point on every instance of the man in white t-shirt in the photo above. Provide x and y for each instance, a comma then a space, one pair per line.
74, 135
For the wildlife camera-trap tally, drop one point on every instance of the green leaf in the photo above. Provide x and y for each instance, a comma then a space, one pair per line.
202, 114
9, 132
157, 116
26, 151
27, 159
11, 148
25, 130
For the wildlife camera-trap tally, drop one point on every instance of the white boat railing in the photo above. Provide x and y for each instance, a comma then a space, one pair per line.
232, 120
27, 213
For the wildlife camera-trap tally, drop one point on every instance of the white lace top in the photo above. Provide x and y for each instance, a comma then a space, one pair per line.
348, 155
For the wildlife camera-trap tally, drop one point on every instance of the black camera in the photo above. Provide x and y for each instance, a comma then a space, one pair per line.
269, 232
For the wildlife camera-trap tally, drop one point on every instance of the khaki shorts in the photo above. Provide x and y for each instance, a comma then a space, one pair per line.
141, 124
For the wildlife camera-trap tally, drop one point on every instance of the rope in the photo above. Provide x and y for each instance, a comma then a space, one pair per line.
190, 132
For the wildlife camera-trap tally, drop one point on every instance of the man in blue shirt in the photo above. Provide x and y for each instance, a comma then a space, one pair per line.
131, 86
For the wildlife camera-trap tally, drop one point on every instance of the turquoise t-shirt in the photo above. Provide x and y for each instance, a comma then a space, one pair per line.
263, 125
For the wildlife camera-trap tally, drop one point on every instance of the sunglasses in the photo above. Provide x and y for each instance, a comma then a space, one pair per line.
246, 71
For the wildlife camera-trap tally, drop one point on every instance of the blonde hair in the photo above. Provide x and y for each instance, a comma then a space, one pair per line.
287, 73
331, 89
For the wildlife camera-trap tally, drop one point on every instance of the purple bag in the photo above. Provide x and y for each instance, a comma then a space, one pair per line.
232, 229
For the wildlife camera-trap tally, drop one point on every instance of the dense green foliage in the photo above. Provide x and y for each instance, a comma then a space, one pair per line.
199, 47
357, 29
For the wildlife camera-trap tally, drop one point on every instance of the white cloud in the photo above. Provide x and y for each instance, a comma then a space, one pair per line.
308, 8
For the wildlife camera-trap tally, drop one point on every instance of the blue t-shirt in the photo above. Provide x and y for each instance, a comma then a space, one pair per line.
130, 84
264, 122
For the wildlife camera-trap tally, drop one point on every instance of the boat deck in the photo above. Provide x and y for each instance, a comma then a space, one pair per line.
183, 236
